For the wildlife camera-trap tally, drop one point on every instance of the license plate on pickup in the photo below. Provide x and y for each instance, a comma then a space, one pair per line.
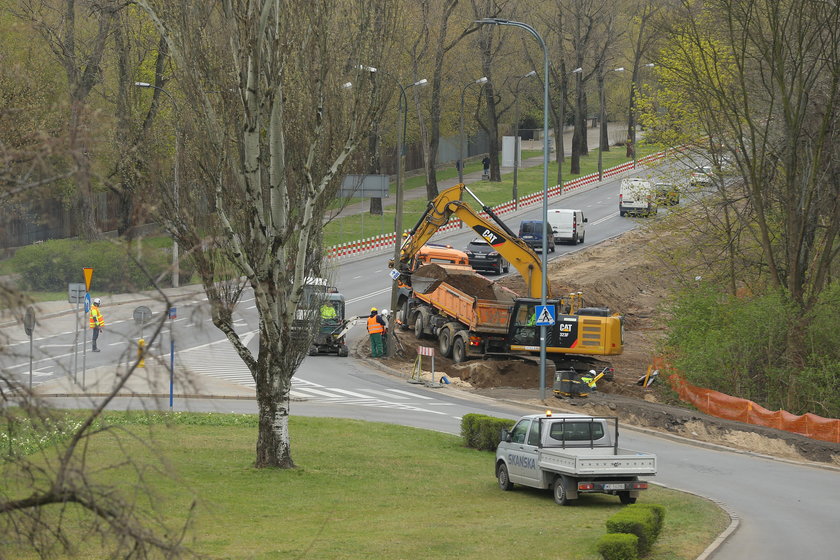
613, 486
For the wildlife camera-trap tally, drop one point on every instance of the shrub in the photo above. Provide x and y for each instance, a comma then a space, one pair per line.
766, 349
482, 432
636, 521
51, 265
658, 512
618, 546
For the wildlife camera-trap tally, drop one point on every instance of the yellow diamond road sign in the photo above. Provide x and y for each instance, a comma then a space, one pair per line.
88, 273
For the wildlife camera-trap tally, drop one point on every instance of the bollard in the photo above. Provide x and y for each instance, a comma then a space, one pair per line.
140, 346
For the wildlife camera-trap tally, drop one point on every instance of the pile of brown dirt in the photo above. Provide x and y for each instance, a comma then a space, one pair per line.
469, 282
618, 274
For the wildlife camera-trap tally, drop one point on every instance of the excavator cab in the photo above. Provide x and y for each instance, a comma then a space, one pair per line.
587, 331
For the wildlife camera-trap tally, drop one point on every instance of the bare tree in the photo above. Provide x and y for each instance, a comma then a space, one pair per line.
591, 31
757, 82
644, 36
272, 130
80, 52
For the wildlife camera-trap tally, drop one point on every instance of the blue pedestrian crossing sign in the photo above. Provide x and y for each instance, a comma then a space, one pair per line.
545, 315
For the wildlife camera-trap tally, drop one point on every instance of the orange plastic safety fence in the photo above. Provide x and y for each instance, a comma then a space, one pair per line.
742, 410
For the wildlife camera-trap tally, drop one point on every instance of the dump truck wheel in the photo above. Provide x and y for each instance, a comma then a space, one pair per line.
445, 342
405, 325
459, 350
418, 325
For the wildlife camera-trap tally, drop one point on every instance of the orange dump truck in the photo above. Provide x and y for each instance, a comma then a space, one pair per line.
469, 314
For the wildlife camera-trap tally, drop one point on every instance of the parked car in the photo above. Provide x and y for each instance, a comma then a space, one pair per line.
701, 175
531, 232
636, 197
666, 194
568, 226
484, 256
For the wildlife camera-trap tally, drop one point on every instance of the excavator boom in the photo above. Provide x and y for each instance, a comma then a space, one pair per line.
449, 204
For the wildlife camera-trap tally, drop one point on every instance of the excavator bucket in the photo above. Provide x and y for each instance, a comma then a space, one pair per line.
427, 277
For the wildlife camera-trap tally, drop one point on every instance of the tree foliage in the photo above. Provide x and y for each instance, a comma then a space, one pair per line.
269, 129
751, 87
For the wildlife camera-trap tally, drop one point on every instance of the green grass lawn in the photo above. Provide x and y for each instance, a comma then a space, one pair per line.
367, 491
530, 180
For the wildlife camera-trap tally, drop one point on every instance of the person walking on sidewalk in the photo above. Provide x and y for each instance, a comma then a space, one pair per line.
97, 323
375, 327
486, 163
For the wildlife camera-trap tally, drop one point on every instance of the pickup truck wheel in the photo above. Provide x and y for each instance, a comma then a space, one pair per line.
445, 342
625, 498
622, 213
560, 496
459, 350
504, 480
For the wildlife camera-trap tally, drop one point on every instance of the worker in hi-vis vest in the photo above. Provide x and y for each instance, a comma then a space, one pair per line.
97, 323
376, 326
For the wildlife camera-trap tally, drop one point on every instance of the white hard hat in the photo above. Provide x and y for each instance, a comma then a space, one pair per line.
96, 301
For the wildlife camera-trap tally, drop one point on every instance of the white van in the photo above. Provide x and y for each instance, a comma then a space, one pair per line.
569, 226
636, 197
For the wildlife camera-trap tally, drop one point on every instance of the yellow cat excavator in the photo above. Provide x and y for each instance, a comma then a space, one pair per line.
459, 320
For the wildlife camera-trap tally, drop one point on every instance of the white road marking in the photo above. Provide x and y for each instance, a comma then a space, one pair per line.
414, 395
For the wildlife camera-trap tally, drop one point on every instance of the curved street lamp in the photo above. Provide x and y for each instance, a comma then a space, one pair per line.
175, 258
516, 138
604, 143
633, 111
544, 282
402, 115
481, 80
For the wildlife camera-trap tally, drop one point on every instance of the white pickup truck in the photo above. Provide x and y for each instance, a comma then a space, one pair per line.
571, 454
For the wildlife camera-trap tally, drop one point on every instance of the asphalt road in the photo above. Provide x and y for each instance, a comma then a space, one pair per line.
787, 510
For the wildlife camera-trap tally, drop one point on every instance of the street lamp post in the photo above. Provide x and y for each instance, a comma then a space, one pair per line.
398, 227
561, 144
633, 114
544, 280
481, 80
175, 183
516, 139
604, 143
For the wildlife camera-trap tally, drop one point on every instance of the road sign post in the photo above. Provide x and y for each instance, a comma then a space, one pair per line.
76, 294
29, 327
173, 314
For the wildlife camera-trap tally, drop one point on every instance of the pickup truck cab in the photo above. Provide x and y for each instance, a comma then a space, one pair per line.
572, 454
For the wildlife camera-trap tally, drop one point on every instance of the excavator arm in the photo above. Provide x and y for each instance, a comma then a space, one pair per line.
448, 204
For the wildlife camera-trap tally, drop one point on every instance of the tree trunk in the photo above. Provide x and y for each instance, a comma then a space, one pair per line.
273, 442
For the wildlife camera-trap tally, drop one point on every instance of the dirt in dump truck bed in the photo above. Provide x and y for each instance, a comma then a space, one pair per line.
470, 283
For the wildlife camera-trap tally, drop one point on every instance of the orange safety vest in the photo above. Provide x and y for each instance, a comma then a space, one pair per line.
375, 326
96, 319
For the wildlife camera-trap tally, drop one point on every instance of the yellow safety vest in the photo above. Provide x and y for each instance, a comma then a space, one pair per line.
96, 319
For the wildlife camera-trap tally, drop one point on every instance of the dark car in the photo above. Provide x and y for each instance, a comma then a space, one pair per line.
483, 256
666, 194
531, 232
